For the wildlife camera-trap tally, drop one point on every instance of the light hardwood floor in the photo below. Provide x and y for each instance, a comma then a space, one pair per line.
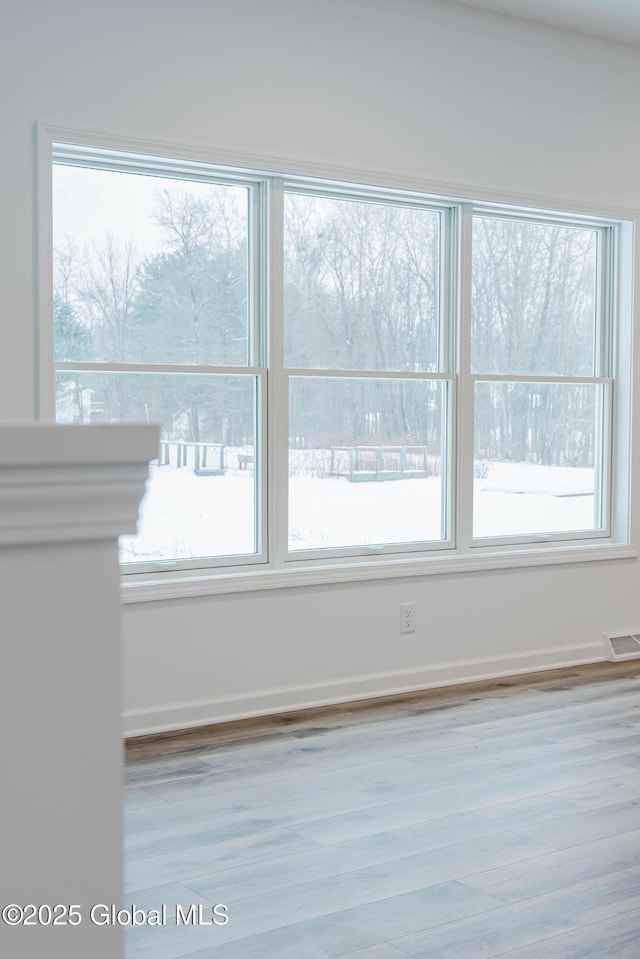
495, 820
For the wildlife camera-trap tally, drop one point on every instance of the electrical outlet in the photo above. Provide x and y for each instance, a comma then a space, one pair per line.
407, 617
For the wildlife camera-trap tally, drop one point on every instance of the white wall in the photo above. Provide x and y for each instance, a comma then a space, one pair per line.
412, 87
66, 494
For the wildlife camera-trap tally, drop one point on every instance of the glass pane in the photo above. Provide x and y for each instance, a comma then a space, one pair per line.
361, 285
534, 298
537, 447
201, 498
365, 462
149, 269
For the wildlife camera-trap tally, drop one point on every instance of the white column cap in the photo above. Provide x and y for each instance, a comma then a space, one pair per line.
62, 483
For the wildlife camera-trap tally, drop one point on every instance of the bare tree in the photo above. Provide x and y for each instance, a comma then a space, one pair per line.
534, 312
108, 292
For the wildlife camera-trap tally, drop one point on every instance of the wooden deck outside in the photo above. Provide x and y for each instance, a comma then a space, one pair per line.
366, 464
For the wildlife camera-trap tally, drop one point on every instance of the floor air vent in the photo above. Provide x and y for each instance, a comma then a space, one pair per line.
617, 648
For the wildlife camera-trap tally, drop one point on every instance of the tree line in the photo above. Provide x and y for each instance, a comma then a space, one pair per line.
362, 291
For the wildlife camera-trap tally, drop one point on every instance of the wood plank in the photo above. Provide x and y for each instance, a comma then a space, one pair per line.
616, 938
532, 921
501, 819
559, 869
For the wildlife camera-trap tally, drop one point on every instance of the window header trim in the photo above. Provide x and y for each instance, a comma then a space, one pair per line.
319, 174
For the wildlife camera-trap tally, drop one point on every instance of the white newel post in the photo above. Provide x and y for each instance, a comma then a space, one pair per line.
66, 494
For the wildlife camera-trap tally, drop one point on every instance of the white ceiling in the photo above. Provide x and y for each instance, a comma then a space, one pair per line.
612, 19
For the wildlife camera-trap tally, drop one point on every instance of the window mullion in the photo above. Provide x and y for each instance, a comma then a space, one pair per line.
206, 369
336, 374
255, 253
607, 270
258, 352
464, 414
448, 335
447, 338
45, 385
603, 353
278, 390
602, 459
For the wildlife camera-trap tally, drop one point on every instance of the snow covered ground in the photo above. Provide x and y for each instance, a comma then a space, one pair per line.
185, 515
523, 498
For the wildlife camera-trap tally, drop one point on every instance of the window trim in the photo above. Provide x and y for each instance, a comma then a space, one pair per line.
143, 589
75, 155
189, 161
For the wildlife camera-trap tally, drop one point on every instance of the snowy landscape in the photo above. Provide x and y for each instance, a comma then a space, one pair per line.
153, 322
185, 515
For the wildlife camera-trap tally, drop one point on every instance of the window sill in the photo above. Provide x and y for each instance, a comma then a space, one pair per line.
167, 586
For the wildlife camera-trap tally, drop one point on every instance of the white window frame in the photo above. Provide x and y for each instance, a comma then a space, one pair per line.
605, 321
272, 568
445, 372
79, 156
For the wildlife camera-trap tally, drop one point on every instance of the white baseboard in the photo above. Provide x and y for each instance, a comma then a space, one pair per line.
265, 702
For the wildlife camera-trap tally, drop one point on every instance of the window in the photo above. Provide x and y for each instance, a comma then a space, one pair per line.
155, 294
369, 396
341, 374
540, 367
